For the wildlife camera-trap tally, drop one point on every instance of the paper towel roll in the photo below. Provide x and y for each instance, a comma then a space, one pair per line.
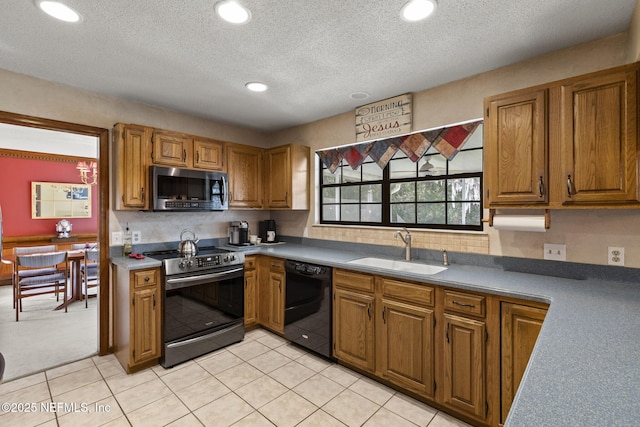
520, 223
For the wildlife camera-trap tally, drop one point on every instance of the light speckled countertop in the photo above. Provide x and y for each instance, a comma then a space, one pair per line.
585, 368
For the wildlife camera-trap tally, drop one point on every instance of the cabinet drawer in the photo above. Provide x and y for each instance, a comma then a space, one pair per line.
406, 291
250, 263
464, 303
354, 280
276, 265
144, 278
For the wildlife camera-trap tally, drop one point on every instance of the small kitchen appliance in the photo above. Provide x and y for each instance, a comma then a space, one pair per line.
267, 231
239, 233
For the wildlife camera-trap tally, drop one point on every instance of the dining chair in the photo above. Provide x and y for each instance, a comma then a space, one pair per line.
43, 273
25, 251
90, 272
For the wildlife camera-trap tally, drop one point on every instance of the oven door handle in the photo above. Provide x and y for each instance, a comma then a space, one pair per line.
184, 282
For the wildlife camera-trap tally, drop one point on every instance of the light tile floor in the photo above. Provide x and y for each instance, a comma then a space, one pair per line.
261, 381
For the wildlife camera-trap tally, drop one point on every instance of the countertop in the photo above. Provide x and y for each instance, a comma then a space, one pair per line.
585, 367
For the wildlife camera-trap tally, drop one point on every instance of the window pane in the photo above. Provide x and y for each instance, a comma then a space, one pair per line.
371, 213
371, 193
331, 195
463, 189
349, 212
403, 212
464, 213
402, 168
330, 178
349, 175
403, 192
350, 194
465, 162
371, 172
330, 213
431, 213
431, 191
432, 165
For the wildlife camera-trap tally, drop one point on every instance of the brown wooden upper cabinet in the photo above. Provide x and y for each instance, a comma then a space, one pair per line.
571, 143
131, 183
244, 163
287, 177
181, 150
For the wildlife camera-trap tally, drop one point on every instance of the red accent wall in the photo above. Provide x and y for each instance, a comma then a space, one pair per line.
15, 196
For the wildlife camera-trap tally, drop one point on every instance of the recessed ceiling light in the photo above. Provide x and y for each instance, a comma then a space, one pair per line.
59, 10
233, 12
358, 95
417, 10
256, 86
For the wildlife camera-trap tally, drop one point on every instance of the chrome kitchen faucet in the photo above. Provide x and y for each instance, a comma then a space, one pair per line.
407, 242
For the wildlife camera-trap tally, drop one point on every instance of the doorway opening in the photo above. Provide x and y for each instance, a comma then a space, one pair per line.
59, 136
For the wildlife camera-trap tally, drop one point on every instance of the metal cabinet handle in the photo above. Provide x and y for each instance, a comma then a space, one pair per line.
540, 187
154, 300
448, 332
463, 304
384, 311
184, 155
369, 310
569, 185
197, 156
146, 279
143, 194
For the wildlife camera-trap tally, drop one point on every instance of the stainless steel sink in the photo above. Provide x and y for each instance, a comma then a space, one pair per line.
388, 264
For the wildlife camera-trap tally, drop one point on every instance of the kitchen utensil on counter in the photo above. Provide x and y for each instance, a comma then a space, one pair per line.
267, 231
188, 247
239, 233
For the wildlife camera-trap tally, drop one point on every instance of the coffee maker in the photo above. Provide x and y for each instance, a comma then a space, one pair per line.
239, 233
267, 231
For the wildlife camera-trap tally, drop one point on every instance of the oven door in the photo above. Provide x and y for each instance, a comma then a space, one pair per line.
202, 312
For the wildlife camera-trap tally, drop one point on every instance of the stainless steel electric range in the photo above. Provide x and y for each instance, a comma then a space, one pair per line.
203, 302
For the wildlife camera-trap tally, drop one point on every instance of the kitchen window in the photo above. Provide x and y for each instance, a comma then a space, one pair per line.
431, 193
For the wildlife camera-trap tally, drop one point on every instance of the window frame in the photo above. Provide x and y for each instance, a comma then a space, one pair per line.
386, 203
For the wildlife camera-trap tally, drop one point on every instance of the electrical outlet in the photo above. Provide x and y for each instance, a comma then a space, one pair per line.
555, 252
136, 237
116, 238
615, 255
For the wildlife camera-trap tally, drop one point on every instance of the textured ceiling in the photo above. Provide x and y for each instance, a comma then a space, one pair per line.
179, 55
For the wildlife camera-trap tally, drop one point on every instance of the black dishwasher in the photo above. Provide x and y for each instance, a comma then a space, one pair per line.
307, 306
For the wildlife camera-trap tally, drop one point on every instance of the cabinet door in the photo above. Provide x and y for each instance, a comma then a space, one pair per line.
520, 328
464, 365
146, 324
515, 149
407, 346
599, 139
244, 166
208, 154
353, 338
171, 149
131, 175
276, 302
278, 177
250, 283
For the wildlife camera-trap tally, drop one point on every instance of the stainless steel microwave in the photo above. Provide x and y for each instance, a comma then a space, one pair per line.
175, 189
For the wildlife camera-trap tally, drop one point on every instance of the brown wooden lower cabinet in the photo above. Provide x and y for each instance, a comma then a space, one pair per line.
250, 286
137, 326
464, 365
521, 325
460, 351
271, 293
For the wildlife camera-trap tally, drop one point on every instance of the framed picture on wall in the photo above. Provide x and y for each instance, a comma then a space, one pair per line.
60, 200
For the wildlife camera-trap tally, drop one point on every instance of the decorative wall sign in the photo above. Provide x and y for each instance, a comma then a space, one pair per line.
384, 119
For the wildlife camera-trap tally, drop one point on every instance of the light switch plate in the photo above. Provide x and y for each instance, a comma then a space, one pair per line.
555, 252
116, 238
136, 237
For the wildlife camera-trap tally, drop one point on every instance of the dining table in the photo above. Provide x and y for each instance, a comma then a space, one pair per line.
75, 258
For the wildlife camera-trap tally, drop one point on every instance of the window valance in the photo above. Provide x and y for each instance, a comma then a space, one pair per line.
447, 140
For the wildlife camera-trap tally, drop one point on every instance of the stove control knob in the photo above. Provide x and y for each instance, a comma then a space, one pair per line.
226, 258
181, 265
232, 257
190, 263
